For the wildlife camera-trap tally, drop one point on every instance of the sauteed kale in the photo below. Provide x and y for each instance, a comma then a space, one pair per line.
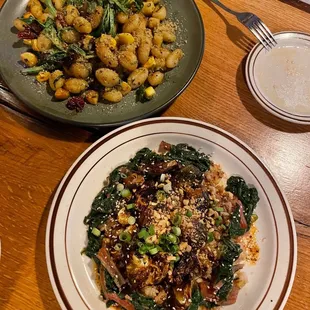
167, 231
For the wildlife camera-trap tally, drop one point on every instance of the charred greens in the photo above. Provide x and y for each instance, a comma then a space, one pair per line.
182, 153
235, 229
249, 198
144, 156
50, 7
49, 62
141, 302
102, 207
111, 7
187, 155
197, 300
50, 32
224, 272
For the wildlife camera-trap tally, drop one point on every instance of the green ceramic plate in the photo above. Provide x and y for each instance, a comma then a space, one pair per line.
190, 38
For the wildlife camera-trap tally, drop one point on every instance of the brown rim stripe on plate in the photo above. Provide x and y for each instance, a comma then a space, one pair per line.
163, 120
184, 134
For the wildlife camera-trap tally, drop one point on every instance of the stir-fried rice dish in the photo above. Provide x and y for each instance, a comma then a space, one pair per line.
169, 230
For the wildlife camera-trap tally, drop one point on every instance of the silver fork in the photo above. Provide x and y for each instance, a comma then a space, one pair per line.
254, 24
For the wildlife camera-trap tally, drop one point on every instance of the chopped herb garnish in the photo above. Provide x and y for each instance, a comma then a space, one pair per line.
176, 230
189, 213
210, 237
143, 234
130, 206
152, 230
125, 236
177, 220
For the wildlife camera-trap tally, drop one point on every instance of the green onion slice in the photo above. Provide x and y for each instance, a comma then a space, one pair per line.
131, 220
143, 249
143, 234
125, 193
152, 230
119, 187
174, 249
172, 238
219, 221
189, 213
125, 236
160, 195
153, 251
176, 221
210, 237
176, 230
254, 218
130, 206
96, 232
219, 209
118, 247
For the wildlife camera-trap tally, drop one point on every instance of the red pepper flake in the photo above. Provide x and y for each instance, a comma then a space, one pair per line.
61, 19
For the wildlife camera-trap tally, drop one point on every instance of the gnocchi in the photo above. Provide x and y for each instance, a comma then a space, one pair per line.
82, 25
70, 35
160, 13
101, 51
43, 43
173, 59
70, 13
75, 86
96, 17
92, 96
80, 70
19, 24
138, 77
56, 80
128, 60
155, 78
107, 77
132, 24
121, 17
59, 4
144, 52
106, 55
113, 95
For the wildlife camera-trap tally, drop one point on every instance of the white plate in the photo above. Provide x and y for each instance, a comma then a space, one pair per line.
279, 79
71, 274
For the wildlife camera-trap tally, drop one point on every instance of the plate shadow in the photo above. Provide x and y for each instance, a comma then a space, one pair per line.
237, 36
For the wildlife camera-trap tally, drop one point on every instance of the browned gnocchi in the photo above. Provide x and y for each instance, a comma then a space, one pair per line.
98, 52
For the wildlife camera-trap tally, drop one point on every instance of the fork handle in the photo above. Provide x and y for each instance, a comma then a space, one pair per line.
225, 7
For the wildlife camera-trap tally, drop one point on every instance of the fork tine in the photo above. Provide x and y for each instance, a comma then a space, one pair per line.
263, 33
259, 37
266, 30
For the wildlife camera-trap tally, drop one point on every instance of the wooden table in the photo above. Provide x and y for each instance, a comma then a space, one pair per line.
35, 153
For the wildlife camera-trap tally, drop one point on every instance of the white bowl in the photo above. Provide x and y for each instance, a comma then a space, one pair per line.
71, 273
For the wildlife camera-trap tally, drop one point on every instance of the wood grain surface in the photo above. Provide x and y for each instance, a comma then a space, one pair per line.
35, 152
